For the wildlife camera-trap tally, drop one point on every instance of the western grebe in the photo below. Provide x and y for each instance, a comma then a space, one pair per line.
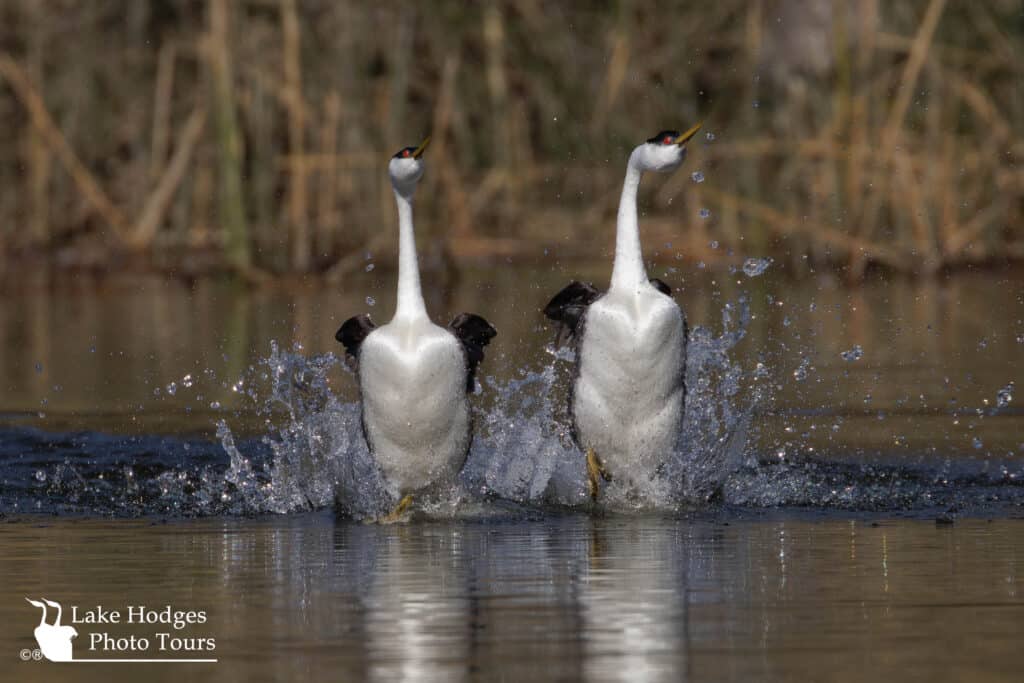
629, 392
415, 376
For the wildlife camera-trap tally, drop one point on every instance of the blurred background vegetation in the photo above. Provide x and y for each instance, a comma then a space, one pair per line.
252, 135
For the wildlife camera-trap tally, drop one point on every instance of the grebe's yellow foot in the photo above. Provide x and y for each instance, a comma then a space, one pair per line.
399, 510
595, 472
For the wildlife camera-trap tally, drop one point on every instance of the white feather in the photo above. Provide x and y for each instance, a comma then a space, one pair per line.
628, 398
415, 411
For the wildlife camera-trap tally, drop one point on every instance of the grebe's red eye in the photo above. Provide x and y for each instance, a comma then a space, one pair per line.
666, 140
406, 153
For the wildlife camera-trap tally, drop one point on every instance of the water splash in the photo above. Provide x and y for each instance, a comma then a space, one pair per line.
754, 267
312, 454
850, 355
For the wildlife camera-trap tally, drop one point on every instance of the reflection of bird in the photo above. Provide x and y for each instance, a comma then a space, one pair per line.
55, 640
628, 395
415, 376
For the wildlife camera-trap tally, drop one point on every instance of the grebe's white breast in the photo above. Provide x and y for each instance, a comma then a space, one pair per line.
415, 409
629, 395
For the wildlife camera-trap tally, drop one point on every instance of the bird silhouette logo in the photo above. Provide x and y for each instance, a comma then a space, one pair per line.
54, 640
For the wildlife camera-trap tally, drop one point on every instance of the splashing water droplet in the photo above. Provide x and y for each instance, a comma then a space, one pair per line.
713, 244
800, 374
856, 353
215, 405
370, 301
40, 475
1004, 396
753, 267
709, 136
977, 443
187, 381
697, 176
172, 388
705, 213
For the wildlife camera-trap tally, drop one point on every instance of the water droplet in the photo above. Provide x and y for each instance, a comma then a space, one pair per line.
172, 388
187, 381
800, 374
757, 104
709, 136
1004, 396
40, 475
704, 213
369, 267
1020, 338
697, 176
39, 367
370, 301
983, 343
215, 405
713, 244
856, 353
756, 266
977, 443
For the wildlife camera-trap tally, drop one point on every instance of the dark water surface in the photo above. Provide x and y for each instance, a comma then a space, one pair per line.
866, 523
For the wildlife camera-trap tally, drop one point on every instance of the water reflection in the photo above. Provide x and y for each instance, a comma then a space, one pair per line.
565, 598
633, 604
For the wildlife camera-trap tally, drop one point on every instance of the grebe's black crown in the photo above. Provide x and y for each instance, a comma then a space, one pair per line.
665, 137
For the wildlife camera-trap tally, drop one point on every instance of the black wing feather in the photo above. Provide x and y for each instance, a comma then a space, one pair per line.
661, 286
353, 332
568, 306
474, 333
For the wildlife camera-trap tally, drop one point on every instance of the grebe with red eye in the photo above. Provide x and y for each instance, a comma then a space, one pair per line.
629, 390
415, 377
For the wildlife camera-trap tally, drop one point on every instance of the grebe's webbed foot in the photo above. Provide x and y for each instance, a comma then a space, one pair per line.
396, 514
595, 472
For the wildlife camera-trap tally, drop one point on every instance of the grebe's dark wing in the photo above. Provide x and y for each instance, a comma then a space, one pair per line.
568, 306
352, 333
474, 333
661, 286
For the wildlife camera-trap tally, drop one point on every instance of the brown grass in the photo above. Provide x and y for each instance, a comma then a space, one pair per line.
849, 135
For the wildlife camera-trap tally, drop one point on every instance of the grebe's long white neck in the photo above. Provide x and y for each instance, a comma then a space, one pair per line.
410, 294
628, 271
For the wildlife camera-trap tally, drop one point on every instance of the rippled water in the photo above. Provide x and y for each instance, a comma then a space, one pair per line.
719, 597
814, 413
